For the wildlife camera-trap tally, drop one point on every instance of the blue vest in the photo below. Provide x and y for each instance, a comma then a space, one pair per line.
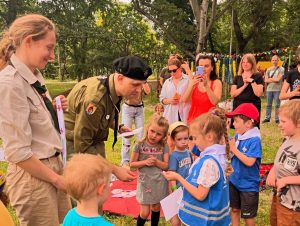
214, 209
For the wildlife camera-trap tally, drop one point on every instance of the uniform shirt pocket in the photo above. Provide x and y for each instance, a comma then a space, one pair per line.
36, 107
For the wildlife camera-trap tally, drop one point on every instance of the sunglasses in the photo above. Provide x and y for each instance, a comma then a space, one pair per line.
174, 70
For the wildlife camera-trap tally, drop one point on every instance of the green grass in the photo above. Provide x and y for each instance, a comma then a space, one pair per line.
271, 140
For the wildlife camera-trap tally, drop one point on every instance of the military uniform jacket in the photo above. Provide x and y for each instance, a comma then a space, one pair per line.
91, 112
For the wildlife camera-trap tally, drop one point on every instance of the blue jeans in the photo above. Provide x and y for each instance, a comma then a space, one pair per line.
131, 114
270, 96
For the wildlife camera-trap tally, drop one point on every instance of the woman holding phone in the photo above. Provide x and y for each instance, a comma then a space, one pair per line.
204, 89
175, 109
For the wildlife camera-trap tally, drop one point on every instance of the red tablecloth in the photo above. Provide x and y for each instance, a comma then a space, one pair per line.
122, 206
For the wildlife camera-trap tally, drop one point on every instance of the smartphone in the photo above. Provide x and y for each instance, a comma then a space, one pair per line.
199, 70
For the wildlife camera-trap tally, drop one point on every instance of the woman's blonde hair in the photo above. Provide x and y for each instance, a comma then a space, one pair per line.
251, 59
291, 110
84, 173
161, 121
33, 25
214, 121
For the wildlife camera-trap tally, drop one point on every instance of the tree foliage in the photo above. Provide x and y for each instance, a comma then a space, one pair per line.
92, 33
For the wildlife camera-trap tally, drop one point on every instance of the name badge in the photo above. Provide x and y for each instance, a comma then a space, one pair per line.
290, 164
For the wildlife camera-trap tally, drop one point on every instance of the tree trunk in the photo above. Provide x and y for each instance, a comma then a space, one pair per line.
202, 27
241, 41
12, 10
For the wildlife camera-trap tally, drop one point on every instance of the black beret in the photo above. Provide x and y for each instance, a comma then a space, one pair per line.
132, 67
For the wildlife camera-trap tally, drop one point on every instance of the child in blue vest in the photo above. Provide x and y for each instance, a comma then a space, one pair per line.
205, 191
246, 149
181, 158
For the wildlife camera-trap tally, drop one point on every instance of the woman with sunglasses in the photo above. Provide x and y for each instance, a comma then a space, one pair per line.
175, 109
203, 90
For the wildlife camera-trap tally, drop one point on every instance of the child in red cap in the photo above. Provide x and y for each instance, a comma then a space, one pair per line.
246, 149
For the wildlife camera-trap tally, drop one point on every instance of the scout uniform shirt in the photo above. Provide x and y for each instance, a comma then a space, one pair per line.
92, 104
26, 126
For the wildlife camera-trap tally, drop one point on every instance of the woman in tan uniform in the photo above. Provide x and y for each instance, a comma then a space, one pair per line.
28, 123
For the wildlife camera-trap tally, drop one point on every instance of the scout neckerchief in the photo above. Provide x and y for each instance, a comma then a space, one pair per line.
254, 132
41, 89
104, 81
218, 151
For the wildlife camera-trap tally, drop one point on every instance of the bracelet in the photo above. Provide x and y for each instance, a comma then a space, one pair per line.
174, 187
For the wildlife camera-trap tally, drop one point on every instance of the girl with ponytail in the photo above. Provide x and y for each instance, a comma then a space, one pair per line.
206, 194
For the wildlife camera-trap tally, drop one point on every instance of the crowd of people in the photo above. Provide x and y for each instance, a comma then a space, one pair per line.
185, 141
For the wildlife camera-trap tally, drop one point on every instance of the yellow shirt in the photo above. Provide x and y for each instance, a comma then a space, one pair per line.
6, 219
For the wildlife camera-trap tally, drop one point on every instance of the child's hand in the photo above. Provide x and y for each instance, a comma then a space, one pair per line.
159, 108
150, 161
271, 179
170, 175
229, 171
281, 184
232, 145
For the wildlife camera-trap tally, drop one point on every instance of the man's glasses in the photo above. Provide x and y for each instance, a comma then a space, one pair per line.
174, 70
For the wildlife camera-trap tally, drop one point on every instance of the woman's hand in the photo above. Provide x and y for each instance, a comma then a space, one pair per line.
195, 79
174, 100
185, 66
64, 103
59, 183
296, 92
204, 80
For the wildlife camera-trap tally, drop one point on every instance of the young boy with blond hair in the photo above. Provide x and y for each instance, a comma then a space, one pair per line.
87, 180
247, 150
285, 174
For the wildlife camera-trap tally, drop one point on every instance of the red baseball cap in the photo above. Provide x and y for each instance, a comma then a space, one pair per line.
246, 109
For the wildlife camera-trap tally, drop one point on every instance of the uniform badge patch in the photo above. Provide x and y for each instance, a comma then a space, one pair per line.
290, 164
91, 108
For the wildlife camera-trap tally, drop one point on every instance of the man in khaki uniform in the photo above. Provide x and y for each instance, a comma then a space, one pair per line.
93, 103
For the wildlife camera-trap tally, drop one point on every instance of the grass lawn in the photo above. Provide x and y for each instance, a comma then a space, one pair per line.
271, 139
